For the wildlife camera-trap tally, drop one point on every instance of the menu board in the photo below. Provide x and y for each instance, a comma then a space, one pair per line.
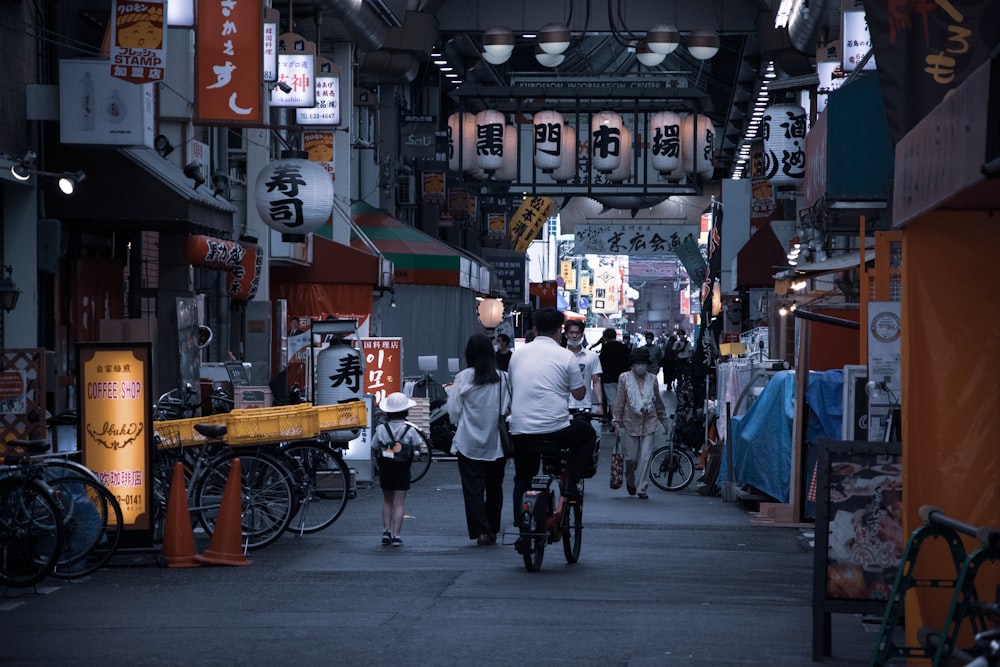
859, 531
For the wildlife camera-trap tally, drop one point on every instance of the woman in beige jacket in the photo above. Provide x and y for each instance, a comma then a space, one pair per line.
637, 411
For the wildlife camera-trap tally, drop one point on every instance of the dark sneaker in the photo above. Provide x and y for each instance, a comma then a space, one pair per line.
386, 537
397, 541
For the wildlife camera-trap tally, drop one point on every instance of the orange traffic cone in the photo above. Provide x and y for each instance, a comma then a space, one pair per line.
178, 536
227, 540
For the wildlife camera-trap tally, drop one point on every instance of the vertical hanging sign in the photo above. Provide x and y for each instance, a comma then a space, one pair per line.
296, 72
383, 366
528, 221
229, 67
138, 53
326, 111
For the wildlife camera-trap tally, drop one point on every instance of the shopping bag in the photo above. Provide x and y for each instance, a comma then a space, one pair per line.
617, 465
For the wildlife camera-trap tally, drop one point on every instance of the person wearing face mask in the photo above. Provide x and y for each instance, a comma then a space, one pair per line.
637, 410
590, 370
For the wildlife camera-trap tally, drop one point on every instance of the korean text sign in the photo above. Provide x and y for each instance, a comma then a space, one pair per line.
383, 366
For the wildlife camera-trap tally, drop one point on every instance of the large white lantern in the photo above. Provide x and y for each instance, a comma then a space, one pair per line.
698, 145
785, 143
548, 140
340, 369
508, 170
623, 171
294, 195
489, 140
462, 142
568, 169
606, 141
665, 141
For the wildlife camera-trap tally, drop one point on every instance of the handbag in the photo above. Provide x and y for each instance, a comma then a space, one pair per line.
505, 442
617, 464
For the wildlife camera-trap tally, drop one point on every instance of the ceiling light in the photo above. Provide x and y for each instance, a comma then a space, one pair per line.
703, 44
663, 38
548, 59
447, 69
553, 38
441, 61
498, 42
495, 60
645, 55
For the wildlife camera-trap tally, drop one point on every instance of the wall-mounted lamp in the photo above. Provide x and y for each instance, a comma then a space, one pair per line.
220, 183
8, 290
163, 145
193, 171
24, 168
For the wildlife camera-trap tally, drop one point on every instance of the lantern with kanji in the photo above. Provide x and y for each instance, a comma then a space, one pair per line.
698, 145
462, 142
294, 195
785, 143
489, 140
567, 170
623, 171
665, 141
548, 140
508, 170
606, 140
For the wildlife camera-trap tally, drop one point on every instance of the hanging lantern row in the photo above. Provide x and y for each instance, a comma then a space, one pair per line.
484, 145
784, 143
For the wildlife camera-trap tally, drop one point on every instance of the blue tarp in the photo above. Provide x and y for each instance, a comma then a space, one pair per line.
761, 439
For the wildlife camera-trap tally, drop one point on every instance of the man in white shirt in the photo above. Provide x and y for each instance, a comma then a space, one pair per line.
590, 370
544, 376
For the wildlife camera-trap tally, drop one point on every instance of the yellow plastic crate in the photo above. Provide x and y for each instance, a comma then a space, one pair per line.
263, 425
181, 433
342, 416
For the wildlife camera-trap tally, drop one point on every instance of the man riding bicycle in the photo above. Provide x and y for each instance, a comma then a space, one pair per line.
543, 376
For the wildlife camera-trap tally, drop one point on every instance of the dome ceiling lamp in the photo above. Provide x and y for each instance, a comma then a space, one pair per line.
553, 38
703, 44
498, 45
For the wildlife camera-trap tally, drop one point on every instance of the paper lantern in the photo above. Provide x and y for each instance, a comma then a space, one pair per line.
785, 143
294, 195
462, 142
489, 140
340, 369
623, 171
508, 170
665, 148
548, 140
698, 145
606, 141
568, 168
490, 312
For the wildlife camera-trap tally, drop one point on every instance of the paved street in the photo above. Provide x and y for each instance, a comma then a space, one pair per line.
679, 579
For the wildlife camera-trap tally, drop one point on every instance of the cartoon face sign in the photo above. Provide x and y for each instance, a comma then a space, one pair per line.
140, 35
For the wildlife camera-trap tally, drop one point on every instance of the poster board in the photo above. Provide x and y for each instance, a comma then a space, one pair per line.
859, 531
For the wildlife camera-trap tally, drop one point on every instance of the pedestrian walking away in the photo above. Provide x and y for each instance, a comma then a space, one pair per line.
543, 377
394, 443
614, 361
636, 413
479, 395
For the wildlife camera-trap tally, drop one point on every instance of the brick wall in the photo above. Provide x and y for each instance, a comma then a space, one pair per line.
18, 53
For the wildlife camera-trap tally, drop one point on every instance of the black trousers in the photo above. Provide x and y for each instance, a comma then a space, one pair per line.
482, 490
579, 437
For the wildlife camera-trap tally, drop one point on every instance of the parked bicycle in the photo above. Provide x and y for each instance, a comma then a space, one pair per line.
178, 403
671, 467
91, 516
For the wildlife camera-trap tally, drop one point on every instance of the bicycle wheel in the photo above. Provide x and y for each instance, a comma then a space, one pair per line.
421, 460
671, 469
266, 487
92, 525
322, 483
534, 536
31, 532
572, 531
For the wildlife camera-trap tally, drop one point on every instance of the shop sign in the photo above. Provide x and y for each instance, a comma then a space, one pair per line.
229, 67
326, 110
138, 53
115, 424
96, 108
631, 239
528, 221
383, 366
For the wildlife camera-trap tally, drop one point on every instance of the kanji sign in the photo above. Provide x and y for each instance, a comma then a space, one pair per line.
383, 366
229, 68
630, 238
528, 221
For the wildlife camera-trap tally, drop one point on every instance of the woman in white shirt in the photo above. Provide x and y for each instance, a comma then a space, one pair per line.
477, 397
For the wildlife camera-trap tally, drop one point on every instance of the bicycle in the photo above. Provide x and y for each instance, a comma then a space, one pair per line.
91, 515
548, 515
671, 468
269, 500
31, 522
322, 484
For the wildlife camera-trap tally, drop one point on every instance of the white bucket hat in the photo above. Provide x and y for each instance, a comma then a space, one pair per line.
396, 402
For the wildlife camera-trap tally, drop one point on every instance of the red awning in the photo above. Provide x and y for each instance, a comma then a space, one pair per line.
333, 263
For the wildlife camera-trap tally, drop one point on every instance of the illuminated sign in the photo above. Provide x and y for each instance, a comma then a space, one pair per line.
115, 425
383, 366
229, 67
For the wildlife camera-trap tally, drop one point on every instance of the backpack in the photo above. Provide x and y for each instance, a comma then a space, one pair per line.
401, 450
